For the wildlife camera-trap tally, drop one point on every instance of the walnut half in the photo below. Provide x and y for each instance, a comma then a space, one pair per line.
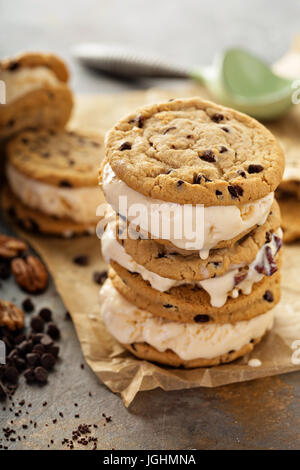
11, 247
30, 274
11, 316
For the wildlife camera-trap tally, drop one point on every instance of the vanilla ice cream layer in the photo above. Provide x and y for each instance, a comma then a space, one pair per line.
219, 288
291, 174
128, 324
200, 229
77, 204
26, 79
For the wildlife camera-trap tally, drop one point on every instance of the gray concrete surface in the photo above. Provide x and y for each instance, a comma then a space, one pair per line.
255, 415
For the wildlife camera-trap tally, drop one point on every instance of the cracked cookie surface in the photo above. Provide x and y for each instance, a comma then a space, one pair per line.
60, 158
191, 151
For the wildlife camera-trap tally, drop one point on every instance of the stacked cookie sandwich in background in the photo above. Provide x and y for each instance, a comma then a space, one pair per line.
52, 181
201, 300
288, 195
35, 94
51, 172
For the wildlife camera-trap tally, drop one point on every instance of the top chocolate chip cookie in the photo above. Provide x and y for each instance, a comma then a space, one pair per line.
191, 151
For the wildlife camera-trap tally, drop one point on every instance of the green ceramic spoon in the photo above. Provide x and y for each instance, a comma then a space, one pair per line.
240, 80
237, 78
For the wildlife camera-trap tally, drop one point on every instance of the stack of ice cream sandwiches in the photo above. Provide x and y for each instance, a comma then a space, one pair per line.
51, 171
52, 181
193, 233
288, 194
34, 93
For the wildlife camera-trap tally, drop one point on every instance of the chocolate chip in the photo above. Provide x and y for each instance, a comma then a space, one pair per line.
53, 331
32, 359
125, 146
24, 347
20, 364
54, 350
223, 149
169, 129
48, 361
217, 117
12, 212
179, 183
81, 260
41, 374
11, 123
14, 65
65, 184
242, 173
225, 129
46, 341
39, 349
4, 270
197, 179
278, 243
29, 376
268, 237
3, 392
140, 121
27, 305
235, 191
255, 168
37, 324
169, 171
201, 318
218, 193
36, 337
168, 306
99, 277
19, 338
11, 374
208, 156
268, 296
95, 144
67, 316
12, 355
45, 314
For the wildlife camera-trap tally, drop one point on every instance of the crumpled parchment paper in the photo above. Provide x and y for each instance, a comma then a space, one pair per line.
118, 369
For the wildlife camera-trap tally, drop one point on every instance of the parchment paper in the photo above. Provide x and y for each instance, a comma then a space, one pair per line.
116, 368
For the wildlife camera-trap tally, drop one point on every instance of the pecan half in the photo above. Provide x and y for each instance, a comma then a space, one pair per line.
30, 274
11, 316
11, 247
240, 276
